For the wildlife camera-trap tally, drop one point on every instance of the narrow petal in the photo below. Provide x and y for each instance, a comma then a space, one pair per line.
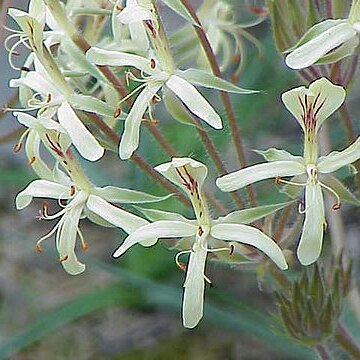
196, 103
158, 229
117, 58
193, 302
81, 137
130, 138
114, 215
206, 79
313, 50
310, 244
338, 159
247, 216
32, 149
36, 82
66, 241
251, 236
43, 189
274, 154
252, 174
120, 195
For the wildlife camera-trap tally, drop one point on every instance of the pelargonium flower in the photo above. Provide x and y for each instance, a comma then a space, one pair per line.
79, 199
327, 42
155, 78
311, 107
202, 232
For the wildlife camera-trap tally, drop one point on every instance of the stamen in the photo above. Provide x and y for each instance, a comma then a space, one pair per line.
179, 264
39, 248
72, 190
117, 112
337, 205
301, 208
64, 258
152, 64
279, 180
31, 161
17, 147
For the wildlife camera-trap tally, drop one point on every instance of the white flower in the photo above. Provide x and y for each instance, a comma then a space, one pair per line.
326, 42
189, 175
78, 200
310, 107
181, 83
54, 101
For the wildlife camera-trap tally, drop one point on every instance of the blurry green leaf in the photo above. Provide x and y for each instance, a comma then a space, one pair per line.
68, 312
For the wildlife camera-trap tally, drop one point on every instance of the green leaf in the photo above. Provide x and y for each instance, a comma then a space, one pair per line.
247, 216
181, 10
204, 78
65, 313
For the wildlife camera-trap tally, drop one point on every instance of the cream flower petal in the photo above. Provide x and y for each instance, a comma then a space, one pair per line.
193, 301
134, 13
331, 97
313, 50
338, 159
43, 189
117, 58
252, 174
66, 239
179, 169
130, 138
310, 244
81, 137
196, 103
155, 230
114, 215
36, 82
249, 235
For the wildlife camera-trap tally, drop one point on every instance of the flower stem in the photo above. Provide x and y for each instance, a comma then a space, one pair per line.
235, 131
344, 339
323, 352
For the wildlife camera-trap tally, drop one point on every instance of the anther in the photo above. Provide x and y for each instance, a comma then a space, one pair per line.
72, 190
336, 206
152, 64
49, 97
117, 112
44, 209
232, 249
84, 245
17, 147
31, 161
200, 231
25, 68
278, 180
156, 99
39, 248
64, 258
119, 8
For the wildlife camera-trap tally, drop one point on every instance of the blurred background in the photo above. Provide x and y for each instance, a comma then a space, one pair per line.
130, 308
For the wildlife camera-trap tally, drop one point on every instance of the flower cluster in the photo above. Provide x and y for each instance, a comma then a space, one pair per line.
77, 98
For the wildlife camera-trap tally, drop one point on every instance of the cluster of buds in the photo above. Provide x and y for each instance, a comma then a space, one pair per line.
311, 308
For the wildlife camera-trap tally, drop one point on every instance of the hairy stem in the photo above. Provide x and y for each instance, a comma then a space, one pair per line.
344, 339
322, 352
235, 131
